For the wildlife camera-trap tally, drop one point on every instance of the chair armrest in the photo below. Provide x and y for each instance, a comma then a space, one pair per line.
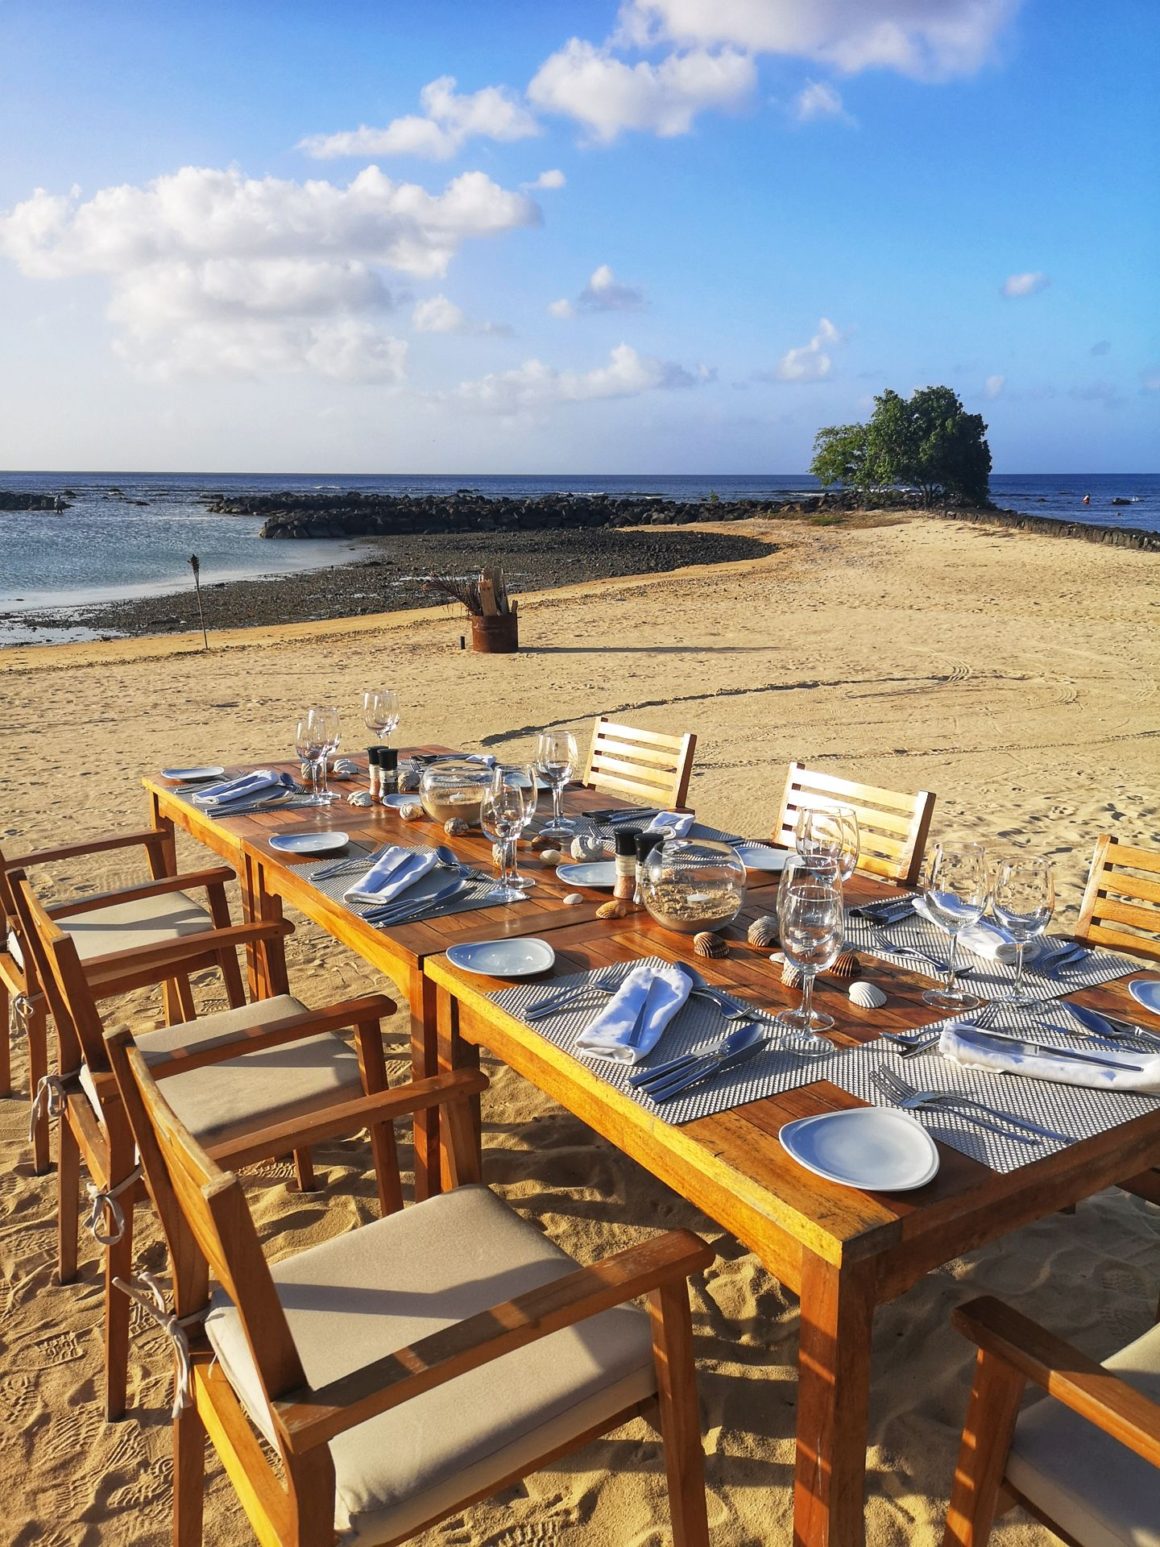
192, 880
1063, 1372
312, 1418
148, 837
310, 1023
381, 1106
111, 974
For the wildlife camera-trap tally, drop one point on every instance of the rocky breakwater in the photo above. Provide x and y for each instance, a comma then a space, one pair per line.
357, 514
17, 499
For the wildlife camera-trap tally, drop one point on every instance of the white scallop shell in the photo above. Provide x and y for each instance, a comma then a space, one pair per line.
343, 769
360, 798
868, 995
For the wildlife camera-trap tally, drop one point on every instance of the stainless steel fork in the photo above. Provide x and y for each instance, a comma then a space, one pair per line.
978, 1112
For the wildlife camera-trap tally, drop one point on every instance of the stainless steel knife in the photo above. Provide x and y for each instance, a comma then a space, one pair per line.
1023, 1045
1103, 1025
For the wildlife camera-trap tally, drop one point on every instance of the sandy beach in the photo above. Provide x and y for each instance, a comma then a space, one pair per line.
1012, 674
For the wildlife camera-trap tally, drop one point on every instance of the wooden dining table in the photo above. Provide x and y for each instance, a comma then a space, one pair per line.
841, 1250
272, 878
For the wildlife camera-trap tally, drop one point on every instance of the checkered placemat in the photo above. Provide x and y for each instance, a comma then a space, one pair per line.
698, 1026
608, 830
476, 894
1072, 1110
186, 795
988, 979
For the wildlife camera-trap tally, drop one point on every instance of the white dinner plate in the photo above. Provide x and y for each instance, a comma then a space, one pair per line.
873, 1148
1146, 991
309, 843
192, 775
397, 802
591, 872
759, 856
503, 958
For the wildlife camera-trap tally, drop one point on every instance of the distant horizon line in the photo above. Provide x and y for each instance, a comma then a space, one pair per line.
171, 472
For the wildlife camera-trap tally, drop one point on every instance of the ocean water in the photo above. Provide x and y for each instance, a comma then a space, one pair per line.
133, 533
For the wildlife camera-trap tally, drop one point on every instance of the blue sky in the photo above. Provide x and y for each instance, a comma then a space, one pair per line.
666, 236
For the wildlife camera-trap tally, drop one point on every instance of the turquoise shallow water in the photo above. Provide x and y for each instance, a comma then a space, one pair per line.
134, 532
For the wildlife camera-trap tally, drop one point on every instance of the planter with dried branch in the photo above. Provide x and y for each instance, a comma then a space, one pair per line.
494, 623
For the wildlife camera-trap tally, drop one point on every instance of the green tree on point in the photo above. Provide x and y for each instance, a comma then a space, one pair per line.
927, 441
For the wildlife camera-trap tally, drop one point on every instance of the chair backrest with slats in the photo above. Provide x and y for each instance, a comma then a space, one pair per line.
59, 972
1121, 905
892, 826
648, 766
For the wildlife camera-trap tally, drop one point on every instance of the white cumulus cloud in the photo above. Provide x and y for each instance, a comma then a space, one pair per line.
438, 314
607, 96
448, 120
1025, 284
994, 385
602, 293
552, 178
926, 39
534, 386
810, 362
210, 269
819, 100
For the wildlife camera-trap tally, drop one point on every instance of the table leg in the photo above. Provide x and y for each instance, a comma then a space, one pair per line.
424, 1063
176, 994
265, 962
455, 1053
837, 1311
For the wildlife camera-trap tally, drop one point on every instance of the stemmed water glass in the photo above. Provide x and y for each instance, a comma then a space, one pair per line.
525, 777
811, 925
828, 835
954, 887
316, 736
1023, 901
555, 760
503, 815
381, 712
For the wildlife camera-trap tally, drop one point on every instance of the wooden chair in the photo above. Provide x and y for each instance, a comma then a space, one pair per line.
367, 1363
892, 827
1121, 904
111, 921
1085, 1461
244, 1071
647, 766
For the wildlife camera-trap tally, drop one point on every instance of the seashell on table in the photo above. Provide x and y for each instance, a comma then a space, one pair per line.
706, 943
763, 931
868, 995
360, 798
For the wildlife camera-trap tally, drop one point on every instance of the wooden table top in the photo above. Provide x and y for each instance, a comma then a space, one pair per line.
732, 1164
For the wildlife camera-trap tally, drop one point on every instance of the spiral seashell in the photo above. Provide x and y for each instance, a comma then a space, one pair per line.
618, 908
456, 827
763, 931
586, 847
706, 943
408, 781
411, 812
574, 899
360, 798
868, 995
791, 976
846, 965
551, 856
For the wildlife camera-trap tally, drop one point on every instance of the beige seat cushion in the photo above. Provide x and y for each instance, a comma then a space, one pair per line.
1100, 1492
228, 1099
147, 921
371, 1291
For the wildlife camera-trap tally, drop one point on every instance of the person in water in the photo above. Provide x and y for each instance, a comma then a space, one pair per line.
1087, 499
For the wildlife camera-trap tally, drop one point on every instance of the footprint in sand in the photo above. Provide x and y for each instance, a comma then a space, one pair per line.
73, 1435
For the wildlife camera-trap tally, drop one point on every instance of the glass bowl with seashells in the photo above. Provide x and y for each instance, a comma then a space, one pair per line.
693, 884
454, 788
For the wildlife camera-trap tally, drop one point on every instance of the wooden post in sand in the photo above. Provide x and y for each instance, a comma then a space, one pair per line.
195, 565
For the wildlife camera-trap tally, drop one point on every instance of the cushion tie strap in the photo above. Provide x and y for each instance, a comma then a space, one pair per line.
104, 1201
51, 1090
146, 1292
20, 1014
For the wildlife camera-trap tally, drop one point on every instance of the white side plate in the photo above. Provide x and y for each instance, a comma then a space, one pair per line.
873, 1148
192, 775
309, 843
1146, 991
397, 802
503, 958
595, 872
760, 856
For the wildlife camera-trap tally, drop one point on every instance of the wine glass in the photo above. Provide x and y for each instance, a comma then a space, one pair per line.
556, 759
811, 924
828, 835
316, 736
1023, 901
503, 815
954, 886
381, 712
524, 776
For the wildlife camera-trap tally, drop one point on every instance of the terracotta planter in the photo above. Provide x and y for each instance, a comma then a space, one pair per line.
498, 635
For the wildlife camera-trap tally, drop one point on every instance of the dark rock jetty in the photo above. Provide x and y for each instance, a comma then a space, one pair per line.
14, 499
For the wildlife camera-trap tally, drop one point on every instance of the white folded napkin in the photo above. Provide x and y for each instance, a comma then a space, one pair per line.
391, 874
661, 990
673, 822
986, 938
960, 1046
251, 786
